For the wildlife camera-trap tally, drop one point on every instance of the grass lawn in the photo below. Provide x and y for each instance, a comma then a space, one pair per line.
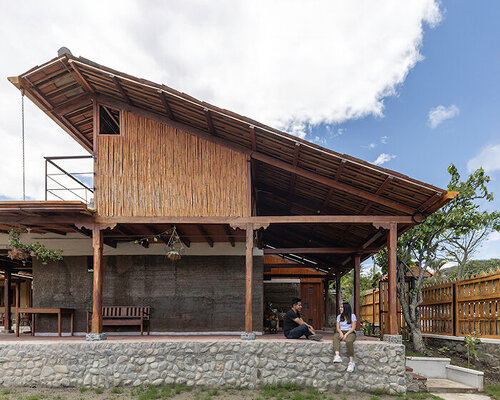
179, 392
493, 391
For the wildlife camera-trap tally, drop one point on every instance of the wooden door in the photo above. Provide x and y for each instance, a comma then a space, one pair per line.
312, 301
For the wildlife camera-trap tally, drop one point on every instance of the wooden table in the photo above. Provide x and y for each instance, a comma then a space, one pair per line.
39, 310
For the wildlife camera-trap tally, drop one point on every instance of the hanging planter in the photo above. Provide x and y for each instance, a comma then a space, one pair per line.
175, 247
22, 251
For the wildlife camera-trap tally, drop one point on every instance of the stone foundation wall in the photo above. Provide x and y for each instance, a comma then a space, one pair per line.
248, 364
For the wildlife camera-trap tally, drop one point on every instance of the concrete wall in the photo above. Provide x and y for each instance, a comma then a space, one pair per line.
233, 363
197, 293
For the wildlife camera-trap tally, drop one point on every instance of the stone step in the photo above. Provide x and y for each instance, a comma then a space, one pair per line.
418, 377
409, 369
447, 386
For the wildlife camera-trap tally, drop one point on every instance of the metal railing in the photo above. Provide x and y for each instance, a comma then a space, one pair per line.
64, 185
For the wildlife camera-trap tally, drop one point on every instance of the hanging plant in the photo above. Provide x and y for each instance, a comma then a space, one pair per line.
22, 251
175, 247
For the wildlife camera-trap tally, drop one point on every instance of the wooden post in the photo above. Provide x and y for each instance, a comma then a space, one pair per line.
249, 279
7, 302
356, 286
326, 284
392, 314
338, 298
97, 243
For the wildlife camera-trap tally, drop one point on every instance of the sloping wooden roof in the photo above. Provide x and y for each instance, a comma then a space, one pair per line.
290, 176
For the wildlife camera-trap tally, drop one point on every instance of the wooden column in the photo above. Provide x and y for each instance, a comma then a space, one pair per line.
97, 243
326, 284
338, 298
357, 305
249, 279
7, 302
392, 243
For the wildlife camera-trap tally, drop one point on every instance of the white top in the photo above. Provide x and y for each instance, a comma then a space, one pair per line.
344, 326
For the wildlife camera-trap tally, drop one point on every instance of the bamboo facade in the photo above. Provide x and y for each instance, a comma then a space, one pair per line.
152, 169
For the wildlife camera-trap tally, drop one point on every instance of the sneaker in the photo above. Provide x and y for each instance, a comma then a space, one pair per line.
317, 337
337, 359
350, 367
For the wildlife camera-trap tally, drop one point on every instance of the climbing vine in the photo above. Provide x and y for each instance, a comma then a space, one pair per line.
22, 251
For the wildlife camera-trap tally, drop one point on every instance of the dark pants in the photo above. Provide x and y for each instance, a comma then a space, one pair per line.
298, 332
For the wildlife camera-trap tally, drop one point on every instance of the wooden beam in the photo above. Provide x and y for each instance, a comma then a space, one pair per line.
269, 275
73, 104
97, 244
80, 78
210, 123
319, 250
106, 241
229, 235
357, 292
166, 105
205, 234
392, 243
294, 163
340, 169
249, 279
183, 237
297, 265
122, 91
252, 138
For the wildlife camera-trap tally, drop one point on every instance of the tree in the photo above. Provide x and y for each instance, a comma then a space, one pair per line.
424, 246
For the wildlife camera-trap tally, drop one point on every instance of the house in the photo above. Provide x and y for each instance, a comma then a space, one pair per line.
234, 189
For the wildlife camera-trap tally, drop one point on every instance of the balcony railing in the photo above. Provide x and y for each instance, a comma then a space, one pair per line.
63, 185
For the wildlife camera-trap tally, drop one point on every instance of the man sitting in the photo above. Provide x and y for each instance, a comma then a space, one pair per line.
294, 326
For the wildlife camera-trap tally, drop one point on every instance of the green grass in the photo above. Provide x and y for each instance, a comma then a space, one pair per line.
116, 390
83, 389
6, 391
374, 398
99, 391
413, 353
33, 397
493, 391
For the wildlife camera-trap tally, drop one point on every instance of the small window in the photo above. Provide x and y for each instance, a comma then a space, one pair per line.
310, 290
109, 120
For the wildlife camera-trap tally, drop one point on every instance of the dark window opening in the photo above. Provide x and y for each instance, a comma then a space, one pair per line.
109, 121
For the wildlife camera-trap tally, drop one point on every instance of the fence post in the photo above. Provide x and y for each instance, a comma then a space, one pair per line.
454, 309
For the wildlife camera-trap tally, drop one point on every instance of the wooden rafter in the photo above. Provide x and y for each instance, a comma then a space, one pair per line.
80, 78
166, 105
106, 241
210, 122
73, 104
122, 91
319, 250
229, 235
294, 163
252, 137
205, 234
183, 237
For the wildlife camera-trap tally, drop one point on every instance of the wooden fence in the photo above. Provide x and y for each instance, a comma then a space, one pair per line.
454, 308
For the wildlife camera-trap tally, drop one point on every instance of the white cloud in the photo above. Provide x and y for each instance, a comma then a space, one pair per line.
286, 63
372, 146
490, 247
488, 158
384, 139
383, 158
320, 140
442, 113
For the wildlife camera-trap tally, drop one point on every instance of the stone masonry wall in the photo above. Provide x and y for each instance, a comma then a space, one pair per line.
197, 293
235, 363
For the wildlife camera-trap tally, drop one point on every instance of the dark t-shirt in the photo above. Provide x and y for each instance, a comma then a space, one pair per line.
288, 321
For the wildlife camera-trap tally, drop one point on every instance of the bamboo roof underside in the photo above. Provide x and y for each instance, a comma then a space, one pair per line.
290, 176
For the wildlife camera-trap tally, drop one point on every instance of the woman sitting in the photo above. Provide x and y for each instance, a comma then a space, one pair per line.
345, 332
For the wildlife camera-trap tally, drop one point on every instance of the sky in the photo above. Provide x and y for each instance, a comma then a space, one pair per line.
409, 85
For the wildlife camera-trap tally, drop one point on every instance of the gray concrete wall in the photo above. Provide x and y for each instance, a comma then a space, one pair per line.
197, 293
234, 363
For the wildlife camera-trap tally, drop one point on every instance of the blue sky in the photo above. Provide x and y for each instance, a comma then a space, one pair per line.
461, 68
358, 77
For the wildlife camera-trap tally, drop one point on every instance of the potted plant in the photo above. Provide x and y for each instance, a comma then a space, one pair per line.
21, 251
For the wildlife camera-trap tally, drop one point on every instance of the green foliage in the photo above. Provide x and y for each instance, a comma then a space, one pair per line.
365, 283
493, 391
99, 391
116, 390
6, 391
37, 250
474, 267
83, 389
33, 397
471, 341
444, 350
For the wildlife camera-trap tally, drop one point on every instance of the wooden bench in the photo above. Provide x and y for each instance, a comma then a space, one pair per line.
123, 316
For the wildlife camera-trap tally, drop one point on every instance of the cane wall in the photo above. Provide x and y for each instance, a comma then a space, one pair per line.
152, 169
